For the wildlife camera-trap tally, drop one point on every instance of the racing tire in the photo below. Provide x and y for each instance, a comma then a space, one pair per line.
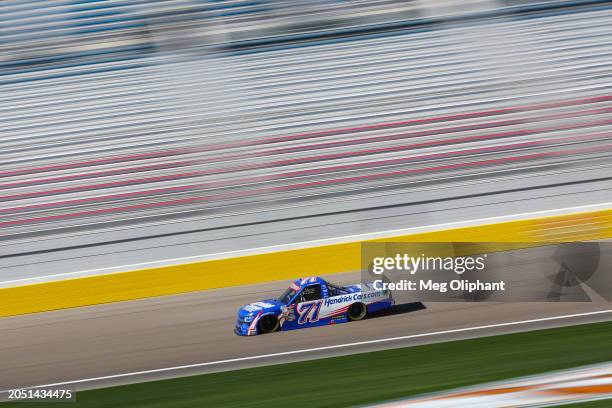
357, 311
268, 324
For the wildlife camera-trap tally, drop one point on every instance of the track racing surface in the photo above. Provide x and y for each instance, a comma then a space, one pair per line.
192, 333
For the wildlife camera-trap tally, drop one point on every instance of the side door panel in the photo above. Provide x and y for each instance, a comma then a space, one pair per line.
327, 310
304, 311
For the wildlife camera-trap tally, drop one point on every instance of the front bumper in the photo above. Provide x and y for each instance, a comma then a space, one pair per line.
242, 328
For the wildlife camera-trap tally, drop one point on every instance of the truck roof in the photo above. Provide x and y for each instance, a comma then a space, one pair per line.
307, 281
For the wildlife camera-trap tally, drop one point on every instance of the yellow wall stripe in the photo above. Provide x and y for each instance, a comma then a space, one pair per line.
283, 265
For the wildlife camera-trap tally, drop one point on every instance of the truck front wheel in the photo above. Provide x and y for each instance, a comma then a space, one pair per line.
268, 324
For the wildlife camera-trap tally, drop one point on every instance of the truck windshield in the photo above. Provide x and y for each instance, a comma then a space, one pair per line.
287, 295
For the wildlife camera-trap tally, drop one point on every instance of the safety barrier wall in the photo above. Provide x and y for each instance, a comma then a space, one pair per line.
283, 265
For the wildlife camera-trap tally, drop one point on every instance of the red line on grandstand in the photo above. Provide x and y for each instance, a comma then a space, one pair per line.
253, 142
304, 160
305, 185
280, 176
104, 173
431, 132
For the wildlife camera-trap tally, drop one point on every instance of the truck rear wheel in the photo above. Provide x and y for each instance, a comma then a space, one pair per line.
357, 311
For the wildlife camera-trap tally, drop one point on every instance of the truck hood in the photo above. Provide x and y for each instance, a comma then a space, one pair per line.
264, 306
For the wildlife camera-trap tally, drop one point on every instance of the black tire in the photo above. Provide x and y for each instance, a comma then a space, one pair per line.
268, 324
357, 311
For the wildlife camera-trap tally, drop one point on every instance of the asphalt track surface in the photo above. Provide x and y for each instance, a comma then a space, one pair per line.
152, 334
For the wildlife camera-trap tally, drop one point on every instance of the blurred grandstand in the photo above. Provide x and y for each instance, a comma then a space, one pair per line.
124, 112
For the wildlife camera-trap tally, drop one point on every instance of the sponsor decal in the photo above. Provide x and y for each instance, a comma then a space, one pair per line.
288, 313
339, 299
363, 296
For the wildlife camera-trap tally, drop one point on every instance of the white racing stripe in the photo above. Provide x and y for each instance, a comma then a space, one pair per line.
308, 244
303, 351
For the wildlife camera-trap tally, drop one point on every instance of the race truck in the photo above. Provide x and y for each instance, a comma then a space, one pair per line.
309, 302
